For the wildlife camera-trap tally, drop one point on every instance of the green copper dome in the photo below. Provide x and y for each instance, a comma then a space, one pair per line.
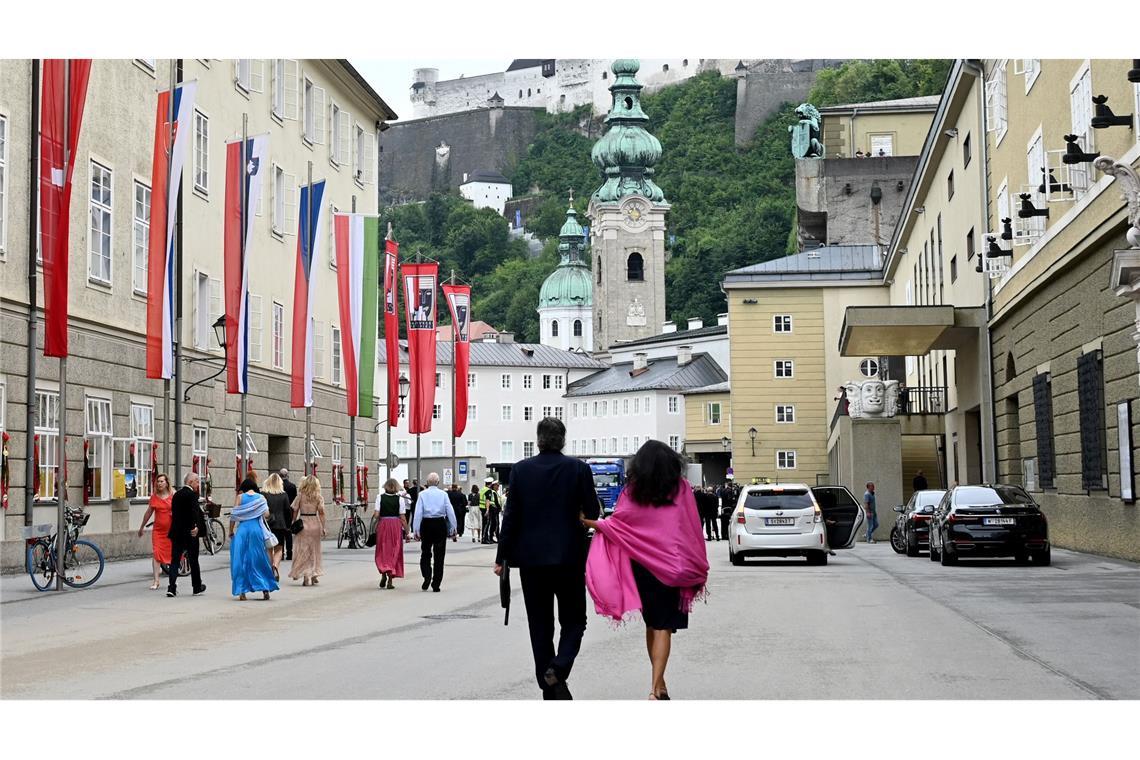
627, 152
570, 283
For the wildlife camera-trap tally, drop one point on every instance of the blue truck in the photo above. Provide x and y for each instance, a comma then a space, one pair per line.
609, 479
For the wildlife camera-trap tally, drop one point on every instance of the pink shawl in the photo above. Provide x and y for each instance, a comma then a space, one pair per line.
666, 540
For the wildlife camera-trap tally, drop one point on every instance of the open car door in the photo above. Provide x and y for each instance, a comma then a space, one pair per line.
842, 515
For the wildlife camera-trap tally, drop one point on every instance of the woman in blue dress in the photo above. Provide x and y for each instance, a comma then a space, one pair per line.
250, 569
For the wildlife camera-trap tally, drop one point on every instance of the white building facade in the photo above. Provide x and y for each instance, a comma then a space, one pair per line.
487, 189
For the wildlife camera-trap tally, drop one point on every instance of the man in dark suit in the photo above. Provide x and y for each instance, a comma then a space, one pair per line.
459, 504
291, 493
542, 536
187, 523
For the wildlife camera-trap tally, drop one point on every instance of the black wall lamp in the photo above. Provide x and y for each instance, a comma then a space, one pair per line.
1074, 154
1134, 72
994, 250
1105, 118
876, 194
752, 435
847, 188
1007, 229
1028, 210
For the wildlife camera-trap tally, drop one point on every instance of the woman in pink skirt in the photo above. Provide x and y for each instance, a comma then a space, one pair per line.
390, 530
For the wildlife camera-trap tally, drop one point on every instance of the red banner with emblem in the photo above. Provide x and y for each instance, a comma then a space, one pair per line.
421, 309
459, 303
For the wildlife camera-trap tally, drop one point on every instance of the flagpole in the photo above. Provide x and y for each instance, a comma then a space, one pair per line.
388, 385
242, 307
61, 449
309, 322
352, 417
454, 388
177, 337
33, 206
166, 381
418, 483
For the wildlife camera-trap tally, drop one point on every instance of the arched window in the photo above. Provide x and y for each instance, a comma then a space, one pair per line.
599, 269
577, 328
635, 268
528, 92
605, 75
554, 329
520, 94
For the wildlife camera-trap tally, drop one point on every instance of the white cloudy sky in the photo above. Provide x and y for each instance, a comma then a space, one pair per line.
392, 77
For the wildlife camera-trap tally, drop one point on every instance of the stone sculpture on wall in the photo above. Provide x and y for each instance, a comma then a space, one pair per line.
873, 399
806, 135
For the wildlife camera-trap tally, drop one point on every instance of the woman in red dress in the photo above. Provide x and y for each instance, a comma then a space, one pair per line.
159, 506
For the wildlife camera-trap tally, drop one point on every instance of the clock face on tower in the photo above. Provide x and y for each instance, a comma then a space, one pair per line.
633, 214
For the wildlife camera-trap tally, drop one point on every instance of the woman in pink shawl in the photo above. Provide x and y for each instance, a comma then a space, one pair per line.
649, 555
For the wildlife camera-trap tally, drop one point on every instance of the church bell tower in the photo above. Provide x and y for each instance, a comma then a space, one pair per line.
628, 220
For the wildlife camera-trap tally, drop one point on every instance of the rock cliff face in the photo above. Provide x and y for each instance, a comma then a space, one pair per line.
762, 85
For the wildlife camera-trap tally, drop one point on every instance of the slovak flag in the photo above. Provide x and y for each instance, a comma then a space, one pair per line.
244, 181
305, 293
166, 181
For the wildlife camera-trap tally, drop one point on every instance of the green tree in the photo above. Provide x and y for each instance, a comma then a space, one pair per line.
863, 81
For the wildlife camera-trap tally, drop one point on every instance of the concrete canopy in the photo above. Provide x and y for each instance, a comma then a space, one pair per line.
907, 330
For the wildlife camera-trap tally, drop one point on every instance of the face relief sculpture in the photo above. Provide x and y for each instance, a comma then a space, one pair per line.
873, 395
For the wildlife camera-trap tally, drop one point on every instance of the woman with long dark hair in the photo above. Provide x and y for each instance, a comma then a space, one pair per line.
649, 555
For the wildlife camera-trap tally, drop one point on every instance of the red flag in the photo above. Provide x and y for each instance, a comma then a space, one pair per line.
55, 187
459, 302
420, 310
392, 330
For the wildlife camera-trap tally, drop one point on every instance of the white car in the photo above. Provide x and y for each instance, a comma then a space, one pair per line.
793, 520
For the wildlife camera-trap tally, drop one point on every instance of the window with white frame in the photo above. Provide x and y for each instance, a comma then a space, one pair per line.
547, 411
139, 459
200, 452
613, 445
559, 411
318, 334
99, 239
528, 413
786, 459
869, 368
997, 102
605, 446
249, 74
505, 382
636, 442
1031, 68
673, 404
528, 449
97, 435
278, 336
402, 449
675, 442
507, 451
782, 323
340, 122
624, 444
646, 406
605, 408
785, 413
472, 380
255, 328
546, 380
558, 382
3, 183
574, 446
201, 152
207, 310
283, 220
597, 409
47, 443
472, 413
785, 368
637, 405
361, 455
140, 238
1081, 113
285, 90
364, 165
436, 447
472, 448
625, 407
1034, 227
528, 382
437, 411
334, 350
505, 413
1003, 203
712, 412
882, 144
314, 106
336, 451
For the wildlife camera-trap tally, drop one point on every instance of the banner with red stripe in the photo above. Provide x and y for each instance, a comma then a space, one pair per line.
459, 302
421, 310
392, 330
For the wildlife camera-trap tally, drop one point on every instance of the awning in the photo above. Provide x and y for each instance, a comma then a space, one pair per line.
908, 330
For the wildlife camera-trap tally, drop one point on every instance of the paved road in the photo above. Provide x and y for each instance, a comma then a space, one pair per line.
871, 625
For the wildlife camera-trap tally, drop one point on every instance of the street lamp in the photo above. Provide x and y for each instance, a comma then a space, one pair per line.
219, 333
725, 442
752, 435
403, 384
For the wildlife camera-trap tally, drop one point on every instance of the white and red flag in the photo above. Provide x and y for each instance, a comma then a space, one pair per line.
421, 311
392, 329
244, 181
305, 292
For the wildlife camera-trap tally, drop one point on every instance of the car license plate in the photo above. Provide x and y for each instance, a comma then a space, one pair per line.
779, 521
999, 521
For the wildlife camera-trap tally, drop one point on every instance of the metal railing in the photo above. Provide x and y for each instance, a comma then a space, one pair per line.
923, 400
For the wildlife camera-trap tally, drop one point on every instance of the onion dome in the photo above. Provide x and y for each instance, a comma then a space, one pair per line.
570, 284
627, 152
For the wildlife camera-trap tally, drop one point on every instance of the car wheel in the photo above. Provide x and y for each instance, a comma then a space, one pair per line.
911, 544
1043, 558
933, 551
736, 559
817, 558
897, 541
946, 558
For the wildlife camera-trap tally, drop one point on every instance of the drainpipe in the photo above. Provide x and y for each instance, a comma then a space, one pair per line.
988, 418
850, 133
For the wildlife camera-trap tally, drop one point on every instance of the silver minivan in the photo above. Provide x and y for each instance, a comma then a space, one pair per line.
793, 520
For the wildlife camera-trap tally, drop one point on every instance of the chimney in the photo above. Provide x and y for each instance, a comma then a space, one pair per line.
668, 327
506, 337
722, 319
640, 361
696, 323
684, 355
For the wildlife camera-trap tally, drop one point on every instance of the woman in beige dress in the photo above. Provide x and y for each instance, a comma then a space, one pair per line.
310, 507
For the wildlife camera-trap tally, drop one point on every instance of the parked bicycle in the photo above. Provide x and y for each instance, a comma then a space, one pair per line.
352, 527
83, 561
215, 537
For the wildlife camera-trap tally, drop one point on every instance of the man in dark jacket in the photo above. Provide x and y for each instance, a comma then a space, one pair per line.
459, 504
728, 494
543, 537
706, 507
919, 483
291, 492
187, 523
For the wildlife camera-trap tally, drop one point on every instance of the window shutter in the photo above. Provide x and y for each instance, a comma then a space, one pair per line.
344, 138
290, 204
240, 72
369, 159
1090, 395
215, 304
292, 77
254, 327
257, 75
318, 115
1043, 417
194, 301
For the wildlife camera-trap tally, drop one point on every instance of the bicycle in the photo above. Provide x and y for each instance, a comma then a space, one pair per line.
352, 527
215, 537
83, 561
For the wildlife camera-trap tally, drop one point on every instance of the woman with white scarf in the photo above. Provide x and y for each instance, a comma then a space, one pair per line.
250, 569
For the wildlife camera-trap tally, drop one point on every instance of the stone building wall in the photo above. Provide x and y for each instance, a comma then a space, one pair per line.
834, 199
763, 86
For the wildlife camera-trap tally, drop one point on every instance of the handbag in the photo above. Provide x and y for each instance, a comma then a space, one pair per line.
297, 526
371, 540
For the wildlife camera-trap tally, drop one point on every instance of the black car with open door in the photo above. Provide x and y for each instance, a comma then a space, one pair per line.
989, 521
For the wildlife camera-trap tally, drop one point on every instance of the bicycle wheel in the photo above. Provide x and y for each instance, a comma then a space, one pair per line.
215, 535
360, 532
83, 564
41, 565
343, 533
184, 565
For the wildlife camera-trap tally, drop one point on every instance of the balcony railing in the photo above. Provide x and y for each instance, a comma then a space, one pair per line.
923, 400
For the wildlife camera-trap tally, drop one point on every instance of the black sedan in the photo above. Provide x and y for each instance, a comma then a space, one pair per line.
911, 533
988, 521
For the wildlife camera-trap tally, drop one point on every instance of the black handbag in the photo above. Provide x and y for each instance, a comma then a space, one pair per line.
371, 540
297, 526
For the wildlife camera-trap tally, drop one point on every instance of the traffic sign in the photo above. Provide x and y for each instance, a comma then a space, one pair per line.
463, 470
447, 476
393, 461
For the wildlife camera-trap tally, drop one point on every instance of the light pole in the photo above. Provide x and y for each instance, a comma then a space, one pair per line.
219, 333
752, 436
726, 444
403, 384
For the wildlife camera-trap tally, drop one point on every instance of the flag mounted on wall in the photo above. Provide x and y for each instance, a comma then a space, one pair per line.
64, 82
357, 268
165, 182
392, 329
243, 191
459, 302
305, 292
420, 311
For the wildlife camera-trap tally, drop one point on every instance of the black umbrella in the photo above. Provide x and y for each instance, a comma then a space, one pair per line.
505, 593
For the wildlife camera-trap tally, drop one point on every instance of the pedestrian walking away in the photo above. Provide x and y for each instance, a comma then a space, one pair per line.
459, 504
872, 515
492, 507
250, 569
919, 483
391, 526
159, 506
280, 512
648, 555
309, 508
544, 538
434, 523
728, 494
290, 491
474, 515
707, 509
187, 525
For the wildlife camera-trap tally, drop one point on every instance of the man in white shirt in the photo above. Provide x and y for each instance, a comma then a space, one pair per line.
433, 524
